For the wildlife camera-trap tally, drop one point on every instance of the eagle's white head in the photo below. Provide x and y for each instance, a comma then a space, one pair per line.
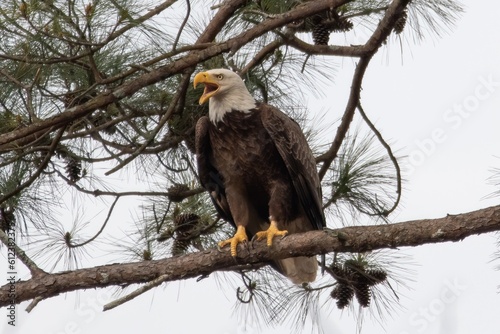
225, 92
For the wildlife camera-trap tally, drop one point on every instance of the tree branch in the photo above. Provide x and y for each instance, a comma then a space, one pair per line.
261, 56
395, 163
330, 155
348, 239
139, 291
21, 255
372, 45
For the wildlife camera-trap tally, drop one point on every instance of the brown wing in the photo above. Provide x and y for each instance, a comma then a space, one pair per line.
210, 178
299, 160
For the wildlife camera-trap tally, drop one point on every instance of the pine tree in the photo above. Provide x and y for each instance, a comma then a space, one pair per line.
106, 86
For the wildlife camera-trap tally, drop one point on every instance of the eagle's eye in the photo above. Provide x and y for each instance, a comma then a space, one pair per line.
220, 76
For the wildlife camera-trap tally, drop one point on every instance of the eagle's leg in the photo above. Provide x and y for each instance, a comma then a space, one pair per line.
271, 232
239, 237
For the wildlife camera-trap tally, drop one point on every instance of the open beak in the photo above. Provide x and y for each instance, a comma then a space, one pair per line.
211, 86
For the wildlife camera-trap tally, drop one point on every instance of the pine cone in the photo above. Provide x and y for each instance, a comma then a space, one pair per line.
179, 247
146, 255
337, 270
343, 293
7, 220
376, 276
320, 34
176, 192
184, 225
341, 24
362, 292
73, 169
186, 222
400, 23
341, 274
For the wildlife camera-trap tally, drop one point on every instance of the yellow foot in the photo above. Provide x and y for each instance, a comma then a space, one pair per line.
270, 233
239, 237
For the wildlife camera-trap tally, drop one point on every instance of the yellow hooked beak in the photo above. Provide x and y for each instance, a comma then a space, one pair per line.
211, 85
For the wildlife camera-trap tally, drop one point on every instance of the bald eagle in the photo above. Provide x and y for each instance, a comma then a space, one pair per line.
258, 169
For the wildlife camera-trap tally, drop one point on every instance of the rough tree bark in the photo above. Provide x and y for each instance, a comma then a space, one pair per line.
347, 239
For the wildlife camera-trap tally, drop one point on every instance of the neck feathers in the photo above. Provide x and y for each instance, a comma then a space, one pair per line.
240, 100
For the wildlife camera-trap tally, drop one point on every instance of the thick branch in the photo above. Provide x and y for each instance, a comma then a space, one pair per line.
348, 239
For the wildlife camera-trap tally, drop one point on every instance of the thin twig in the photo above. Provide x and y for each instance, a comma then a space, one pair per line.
33, 304
98, 192
183, 24
385, 213
29, 97
247, 281
137, 21
110, 211
146, 287
42, 166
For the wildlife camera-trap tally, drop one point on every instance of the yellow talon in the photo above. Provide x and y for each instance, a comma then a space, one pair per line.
239, 237
270, 233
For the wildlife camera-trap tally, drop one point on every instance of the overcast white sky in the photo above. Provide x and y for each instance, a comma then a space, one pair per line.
437, 102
